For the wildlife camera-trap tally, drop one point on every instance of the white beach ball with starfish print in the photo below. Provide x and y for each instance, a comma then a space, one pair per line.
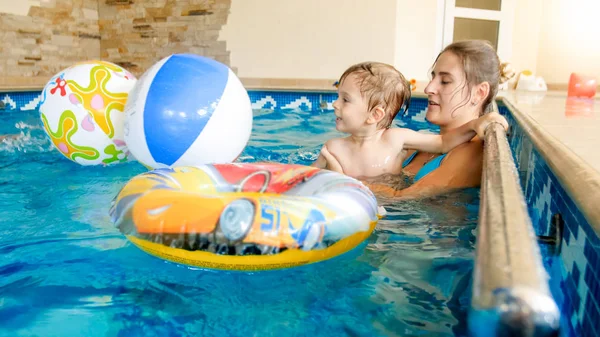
82, 112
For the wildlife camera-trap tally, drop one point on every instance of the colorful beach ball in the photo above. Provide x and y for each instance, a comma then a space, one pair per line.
82, 112
187, 110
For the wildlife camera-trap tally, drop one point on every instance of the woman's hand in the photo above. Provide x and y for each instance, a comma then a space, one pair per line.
482, 123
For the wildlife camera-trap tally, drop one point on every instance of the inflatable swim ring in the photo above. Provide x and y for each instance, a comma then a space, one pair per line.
244, 216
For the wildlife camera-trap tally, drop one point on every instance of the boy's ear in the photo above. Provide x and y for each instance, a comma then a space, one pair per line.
376, 116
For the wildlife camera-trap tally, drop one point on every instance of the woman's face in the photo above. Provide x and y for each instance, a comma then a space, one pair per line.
448, 93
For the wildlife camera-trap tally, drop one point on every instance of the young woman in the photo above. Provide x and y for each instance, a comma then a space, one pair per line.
464, 83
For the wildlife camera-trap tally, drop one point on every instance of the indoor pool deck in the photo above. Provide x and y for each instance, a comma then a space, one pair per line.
572, 121
554, 143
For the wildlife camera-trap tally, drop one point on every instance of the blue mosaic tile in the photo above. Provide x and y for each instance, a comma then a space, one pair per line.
305, 101
575, 275
260, 99
590, 325
567, 308
587, 329
571, 291
579, 259
567, 235
324, 102
591, 280
23, 101
592, 256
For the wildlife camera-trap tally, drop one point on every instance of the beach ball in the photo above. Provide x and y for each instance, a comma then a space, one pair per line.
82, 112
187, 110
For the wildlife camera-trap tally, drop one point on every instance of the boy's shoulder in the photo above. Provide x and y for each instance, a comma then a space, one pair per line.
336, 143
395, 135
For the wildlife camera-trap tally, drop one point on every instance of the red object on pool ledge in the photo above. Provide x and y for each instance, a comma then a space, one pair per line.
579, 107
581, 86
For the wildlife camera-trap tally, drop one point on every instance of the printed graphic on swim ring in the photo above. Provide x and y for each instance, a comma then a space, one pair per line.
242, 216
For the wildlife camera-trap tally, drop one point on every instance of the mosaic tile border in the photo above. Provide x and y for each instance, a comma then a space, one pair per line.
260, 99
576, 280
24, 101
320, 101
310, 101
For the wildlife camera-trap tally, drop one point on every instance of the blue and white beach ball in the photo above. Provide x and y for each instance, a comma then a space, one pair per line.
187, 110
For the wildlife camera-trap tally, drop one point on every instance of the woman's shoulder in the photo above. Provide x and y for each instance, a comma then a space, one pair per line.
468, 154
468, 149
460, 168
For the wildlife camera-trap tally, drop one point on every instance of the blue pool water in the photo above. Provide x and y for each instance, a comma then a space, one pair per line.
65, 271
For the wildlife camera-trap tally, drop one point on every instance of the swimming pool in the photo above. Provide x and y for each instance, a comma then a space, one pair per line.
65, 271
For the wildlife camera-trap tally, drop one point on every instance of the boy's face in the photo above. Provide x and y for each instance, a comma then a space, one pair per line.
447, 90
350, 108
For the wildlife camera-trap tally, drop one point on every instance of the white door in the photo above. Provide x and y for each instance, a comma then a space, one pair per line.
490, 20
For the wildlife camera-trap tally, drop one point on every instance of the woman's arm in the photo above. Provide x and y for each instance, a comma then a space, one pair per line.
453, 138
438, 143
460, 169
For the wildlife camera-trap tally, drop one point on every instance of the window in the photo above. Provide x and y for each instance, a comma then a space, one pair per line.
490, 20
493, 5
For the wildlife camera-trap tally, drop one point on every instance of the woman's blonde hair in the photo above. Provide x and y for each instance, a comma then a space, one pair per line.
481, 64
384, 86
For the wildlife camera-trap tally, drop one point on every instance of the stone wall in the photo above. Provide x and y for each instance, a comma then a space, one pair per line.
135, 34
51, 37
132, 33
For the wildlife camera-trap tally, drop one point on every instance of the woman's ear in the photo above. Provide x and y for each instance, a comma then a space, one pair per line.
481, 92
376, 116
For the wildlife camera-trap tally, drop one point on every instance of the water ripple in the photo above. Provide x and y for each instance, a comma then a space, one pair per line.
66, 271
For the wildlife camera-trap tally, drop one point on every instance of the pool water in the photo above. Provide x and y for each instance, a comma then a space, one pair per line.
65, 271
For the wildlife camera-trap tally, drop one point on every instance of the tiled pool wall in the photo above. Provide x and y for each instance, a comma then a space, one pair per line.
575, 275
28, 100
310, 101
260, 99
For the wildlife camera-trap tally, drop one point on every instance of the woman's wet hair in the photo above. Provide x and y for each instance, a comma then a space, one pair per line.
481, 64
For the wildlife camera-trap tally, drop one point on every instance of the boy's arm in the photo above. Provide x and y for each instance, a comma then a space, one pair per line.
435, 143
327, 161
453, 138
321, 162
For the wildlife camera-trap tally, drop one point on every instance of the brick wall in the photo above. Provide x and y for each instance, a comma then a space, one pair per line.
50, 38
132, 33
135, 34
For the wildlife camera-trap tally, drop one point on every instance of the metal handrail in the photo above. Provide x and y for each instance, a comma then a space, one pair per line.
511, 296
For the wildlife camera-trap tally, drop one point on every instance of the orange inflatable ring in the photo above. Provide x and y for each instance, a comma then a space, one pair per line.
245, 216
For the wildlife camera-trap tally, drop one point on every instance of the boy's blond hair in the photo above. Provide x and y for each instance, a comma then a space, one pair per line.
384, 86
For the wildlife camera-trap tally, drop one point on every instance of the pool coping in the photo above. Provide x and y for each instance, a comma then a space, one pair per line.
579, 179
509, 242
415, 94
251, 84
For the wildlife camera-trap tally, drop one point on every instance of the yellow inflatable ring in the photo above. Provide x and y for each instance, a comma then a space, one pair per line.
244, 216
